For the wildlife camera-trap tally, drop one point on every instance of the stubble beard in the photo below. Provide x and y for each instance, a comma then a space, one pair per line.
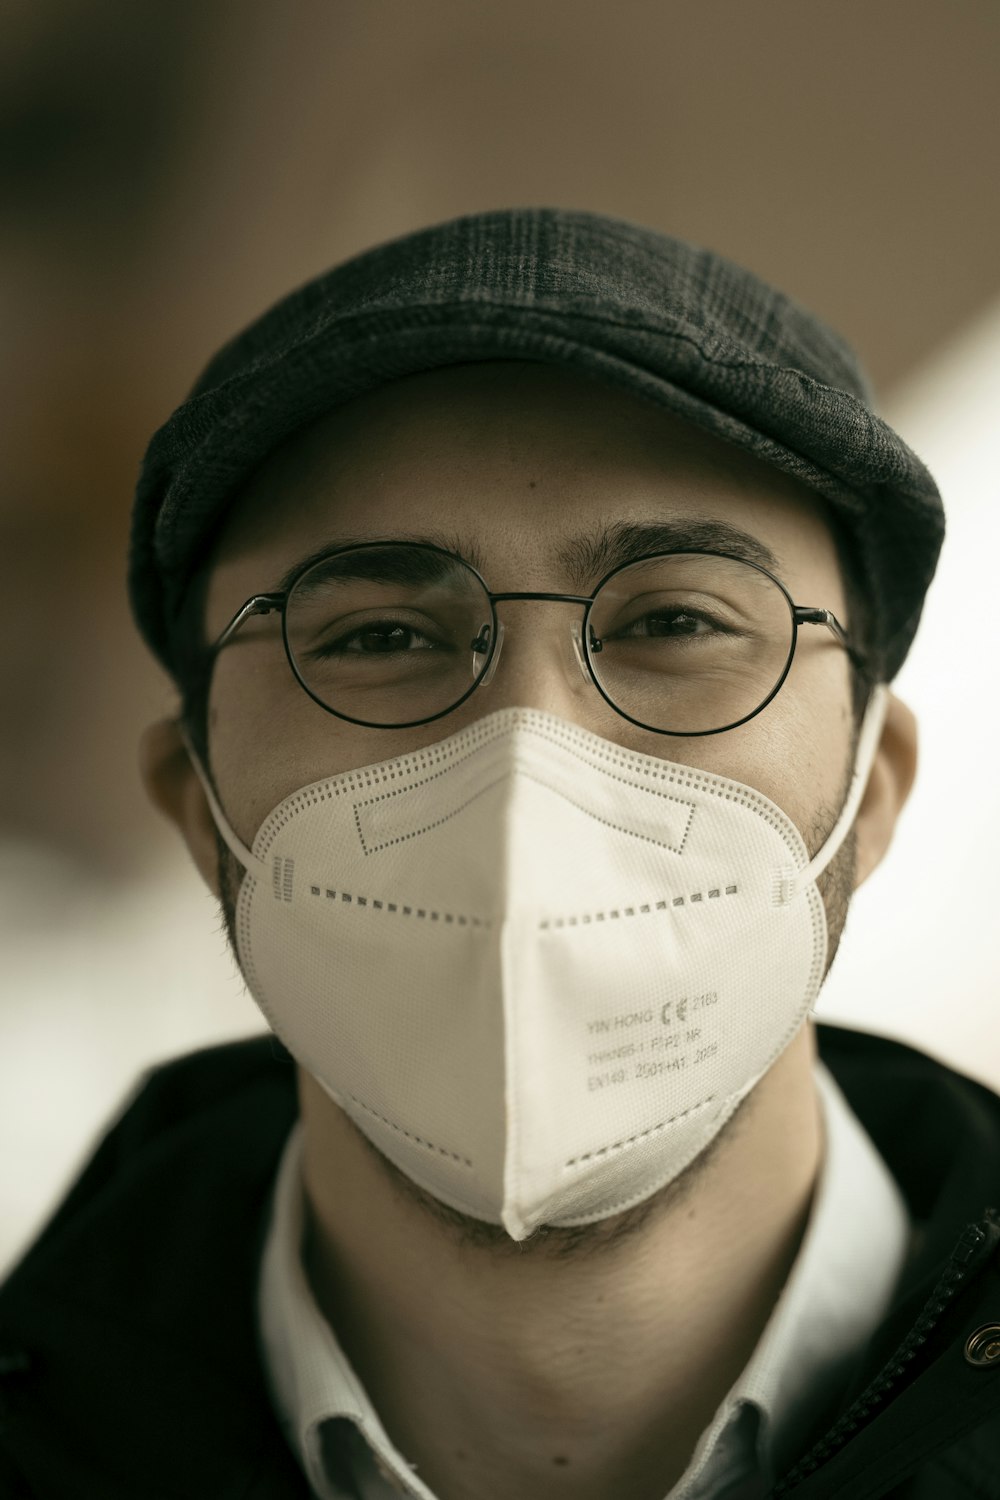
571, 1242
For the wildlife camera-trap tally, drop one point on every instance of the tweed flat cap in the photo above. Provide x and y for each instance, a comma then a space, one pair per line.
675, 324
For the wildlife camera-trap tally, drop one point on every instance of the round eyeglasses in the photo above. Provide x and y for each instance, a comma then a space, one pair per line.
394, 634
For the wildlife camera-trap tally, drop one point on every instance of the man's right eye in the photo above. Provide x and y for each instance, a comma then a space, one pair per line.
379, 637
676, 623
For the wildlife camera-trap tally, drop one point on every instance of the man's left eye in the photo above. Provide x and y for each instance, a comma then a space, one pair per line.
677, 623
381, 639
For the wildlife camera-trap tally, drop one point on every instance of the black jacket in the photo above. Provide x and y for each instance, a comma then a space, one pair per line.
129, 1368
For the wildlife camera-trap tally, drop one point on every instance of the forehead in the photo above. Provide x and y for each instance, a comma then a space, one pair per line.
514, 465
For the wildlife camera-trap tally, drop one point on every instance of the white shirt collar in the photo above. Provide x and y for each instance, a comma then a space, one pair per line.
311, 1377
837, 1292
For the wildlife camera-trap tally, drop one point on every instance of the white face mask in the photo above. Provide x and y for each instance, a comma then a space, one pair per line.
537, 970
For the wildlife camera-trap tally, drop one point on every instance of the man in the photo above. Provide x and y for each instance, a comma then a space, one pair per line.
531, 585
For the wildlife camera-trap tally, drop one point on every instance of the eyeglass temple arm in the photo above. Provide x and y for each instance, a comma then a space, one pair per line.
804, 615
260, 604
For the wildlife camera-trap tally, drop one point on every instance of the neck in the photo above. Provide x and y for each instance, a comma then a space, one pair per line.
548, 1368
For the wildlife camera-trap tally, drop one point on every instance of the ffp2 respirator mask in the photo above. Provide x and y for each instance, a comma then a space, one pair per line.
537, 970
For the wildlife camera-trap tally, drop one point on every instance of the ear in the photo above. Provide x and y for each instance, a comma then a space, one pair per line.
889, 784
173, 787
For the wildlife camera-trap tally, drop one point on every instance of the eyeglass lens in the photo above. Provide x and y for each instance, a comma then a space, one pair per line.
395, 633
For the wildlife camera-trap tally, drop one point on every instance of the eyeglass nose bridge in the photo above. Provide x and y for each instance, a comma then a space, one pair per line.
480, 646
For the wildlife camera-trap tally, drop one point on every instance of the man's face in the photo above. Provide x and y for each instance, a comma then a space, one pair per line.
520, 468
523, 470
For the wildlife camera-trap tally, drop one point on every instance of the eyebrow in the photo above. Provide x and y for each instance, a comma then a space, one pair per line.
395, 561
586, 559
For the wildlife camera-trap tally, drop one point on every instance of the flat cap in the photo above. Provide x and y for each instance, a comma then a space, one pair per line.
675, 324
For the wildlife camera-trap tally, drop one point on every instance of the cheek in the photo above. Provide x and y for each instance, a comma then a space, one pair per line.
806, 753
797, 751
267, 738
254, 734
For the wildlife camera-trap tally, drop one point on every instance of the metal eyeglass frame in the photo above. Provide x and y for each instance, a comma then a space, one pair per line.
265, 604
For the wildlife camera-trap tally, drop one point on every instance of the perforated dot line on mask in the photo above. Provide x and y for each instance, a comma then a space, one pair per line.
414, 833
567, 737
246, 951
349, 783
685, 777
646, 909
471, 742
395, 908
331, 790
641, 1135
283, 887
811, 990
328, 791
417, 1140
682, 777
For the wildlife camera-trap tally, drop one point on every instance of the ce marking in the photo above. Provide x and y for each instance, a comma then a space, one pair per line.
679, 1008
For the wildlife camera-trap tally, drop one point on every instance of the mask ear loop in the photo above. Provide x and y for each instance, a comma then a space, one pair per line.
868, 742
233, 843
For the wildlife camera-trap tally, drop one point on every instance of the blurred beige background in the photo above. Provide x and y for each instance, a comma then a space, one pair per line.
166, 170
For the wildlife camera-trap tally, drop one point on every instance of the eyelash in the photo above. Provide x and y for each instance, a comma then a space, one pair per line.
341, 645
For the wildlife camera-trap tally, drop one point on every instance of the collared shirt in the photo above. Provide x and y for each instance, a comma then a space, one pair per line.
839, 1287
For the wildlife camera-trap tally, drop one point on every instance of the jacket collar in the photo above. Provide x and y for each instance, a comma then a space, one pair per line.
129, 1329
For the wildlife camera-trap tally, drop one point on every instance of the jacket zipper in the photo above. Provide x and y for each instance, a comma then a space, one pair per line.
961, 1263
